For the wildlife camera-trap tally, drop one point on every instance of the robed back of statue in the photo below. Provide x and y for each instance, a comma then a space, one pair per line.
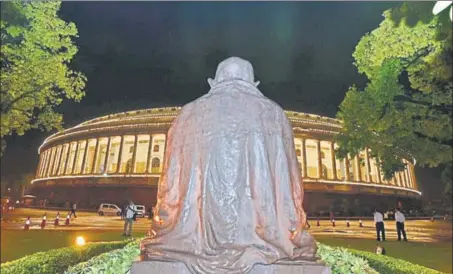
231, 192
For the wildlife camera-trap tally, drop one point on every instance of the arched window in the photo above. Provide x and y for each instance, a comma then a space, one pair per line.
155, 165
298, 152
156, 148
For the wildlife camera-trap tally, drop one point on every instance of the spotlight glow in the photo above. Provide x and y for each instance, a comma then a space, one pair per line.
80, 241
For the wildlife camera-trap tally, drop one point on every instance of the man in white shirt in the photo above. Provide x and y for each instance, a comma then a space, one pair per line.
379, 222
400, 219
129, 218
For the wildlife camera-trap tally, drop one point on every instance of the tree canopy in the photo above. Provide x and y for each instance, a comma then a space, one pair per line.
405, 109
36, 49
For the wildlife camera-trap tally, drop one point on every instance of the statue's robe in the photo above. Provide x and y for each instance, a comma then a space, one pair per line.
230, 195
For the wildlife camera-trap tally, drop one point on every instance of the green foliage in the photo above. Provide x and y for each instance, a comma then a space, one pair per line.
117, 261
389, 265
405, 110
36, 48
342, 261
58, 260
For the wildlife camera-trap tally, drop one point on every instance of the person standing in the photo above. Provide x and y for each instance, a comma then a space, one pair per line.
400, 219
73, 210
379, 222
129, 218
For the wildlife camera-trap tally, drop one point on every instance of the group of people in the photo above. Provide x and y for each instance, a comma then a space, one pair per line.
380, 227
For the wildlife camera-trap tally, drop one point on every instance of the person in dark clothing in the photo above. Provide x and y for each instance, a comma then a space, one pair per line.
73, 210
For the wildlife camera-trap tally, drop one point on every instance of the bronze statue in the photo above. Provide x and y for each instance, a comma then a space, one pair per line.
230, 195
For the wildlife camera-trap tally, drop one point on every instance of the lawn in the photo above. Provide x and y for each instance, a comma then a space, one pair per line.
18, 243
433, 255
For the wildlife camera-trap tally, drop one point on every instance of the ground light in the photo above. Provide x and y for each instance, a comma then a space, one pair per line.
80, 241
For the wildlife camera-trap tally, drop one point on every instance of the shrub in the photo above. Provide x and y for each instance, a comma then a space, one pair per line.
341, 261
56, 261
389, 265
114, 262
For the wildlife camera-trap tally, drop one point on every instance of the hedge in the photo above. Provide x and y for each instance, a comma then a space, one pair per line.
119, 261
342, 261
56, 261
389, 265
115, 262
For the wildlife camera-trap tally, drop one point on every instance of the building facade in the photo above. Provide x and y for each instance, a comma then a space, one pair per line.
120, 156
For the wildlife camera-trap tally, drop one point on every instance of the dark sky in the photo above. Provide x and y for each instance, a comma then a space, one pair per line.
148, 54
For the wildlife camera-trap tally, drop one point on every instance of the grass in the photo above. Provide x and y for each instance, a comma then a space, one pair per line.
433, 255
18, 243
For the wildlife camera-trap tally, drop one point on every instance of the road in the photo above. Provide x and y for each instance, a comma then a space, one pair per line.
417, 230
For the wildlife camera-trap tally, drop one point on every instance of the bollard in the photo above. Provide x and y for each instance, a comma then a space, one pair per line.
43, 222
333, 222
57, 219
67, 219
317, 223
360, 223
347, 223
27, 224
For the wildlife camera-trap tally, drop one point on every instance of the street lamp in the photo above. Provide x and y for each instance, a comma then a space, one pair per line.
80, 241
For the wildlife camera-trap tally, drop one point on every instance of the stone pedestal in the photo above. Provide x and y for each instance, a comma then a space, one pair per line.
293, 267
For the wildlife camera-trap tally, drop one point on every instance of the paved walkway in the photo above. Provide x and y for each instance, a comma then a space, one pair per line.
417, 230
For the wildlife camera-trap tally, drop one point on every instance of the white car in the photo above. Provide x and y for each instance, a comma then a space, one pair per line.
109, 209
141, 211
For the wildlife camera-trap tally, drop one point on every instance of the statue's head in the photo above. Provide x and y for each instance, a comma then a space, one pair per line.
233, 68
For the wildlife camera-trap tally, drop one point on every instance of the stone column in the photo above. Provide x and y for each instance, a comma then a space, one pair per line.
107, 155
367, 166
134, 154
414, 180
406, 175
318, 142
378, 170
84, 156
346, 168
148, 159
38, 169
357, 167
96, 152
67, 159
75, 158
334, 163
43, 164
120, 154
402, 182
163, 153
304, 158
57, 171
50, 165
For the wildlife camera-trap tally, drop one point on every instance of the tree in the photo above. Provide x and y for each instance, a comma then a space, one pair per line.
405, 110
36, 49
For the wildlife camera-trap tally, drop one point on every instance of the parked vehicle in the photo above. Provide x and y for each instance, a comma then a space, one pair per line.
141, 211
109, 209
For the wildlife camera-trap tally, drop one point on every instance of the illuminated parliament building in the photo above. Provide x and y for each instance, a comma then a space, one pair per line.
120, 156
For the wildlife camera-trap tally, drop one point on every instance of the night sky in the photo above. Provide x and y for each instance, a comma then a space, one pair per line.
151, 54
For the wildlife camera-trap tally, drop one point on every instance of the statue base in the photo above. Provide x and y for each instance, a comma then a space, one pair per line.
284, 267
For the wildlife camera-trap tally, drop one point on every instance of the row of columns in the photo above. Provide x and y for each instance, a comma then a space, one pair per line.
50, 162
405, 178
54, 156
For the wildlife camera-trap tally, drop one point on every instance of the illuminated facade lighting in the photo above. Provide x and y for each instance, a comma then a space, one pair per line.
132, 144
